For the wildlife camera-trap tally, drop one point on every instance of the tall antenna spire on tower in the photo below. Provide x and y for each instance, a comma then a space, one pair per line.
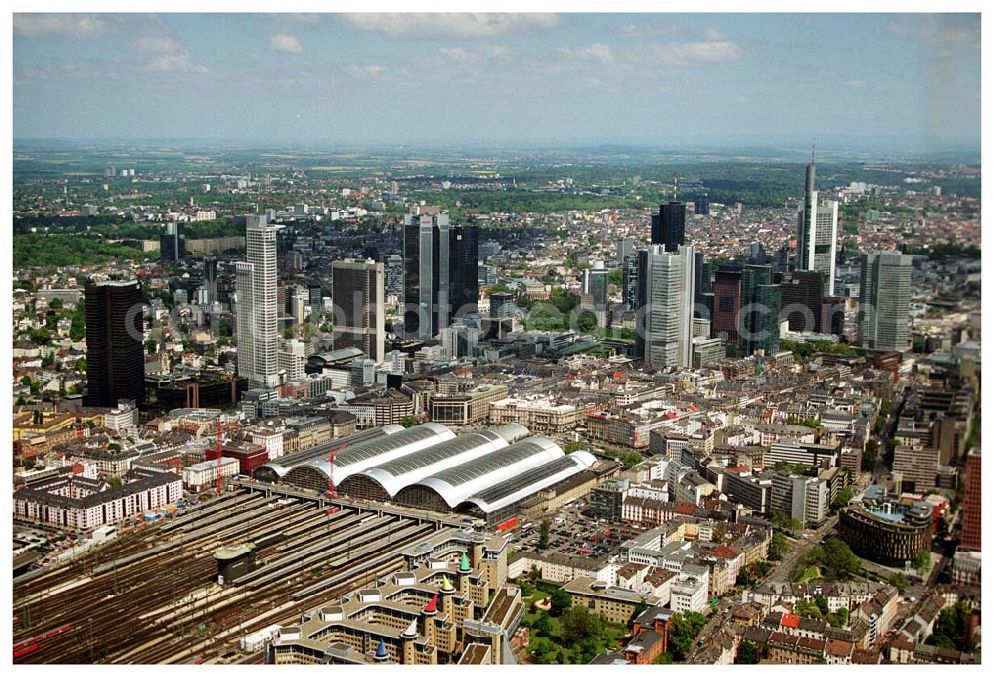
675, 186
814, 152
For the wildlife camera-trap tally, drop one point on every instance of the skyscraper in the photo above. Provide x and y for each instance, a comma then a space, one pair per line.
211, 279
115, 361
665, 299
668, 226
630, 281
759, 317
802, 301
726, 301
626, 247
172, 243
257, 305
359, 307
595, 288
440, 272
972, 503
394, 276
701, 204
817, 234
884, 302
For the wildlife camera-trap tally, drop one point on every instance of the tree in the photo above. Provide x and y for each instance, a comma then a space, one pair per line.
543, 534
543, 625
869, 459
408, 421
838, 618
840, 500
560, 602
807, 607
823, 604
778, 548
922, 562
747, 653
579, 623
899, 581
115, 482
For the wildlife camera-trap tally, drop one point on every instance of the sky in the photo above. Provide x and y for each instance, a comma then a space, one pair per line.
906, 80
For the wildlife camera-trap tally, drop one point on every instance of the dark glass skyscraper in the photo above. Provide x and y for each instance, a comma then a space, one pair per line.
211, 279
172, 243
463, 271
760, 317
115, 361
440, 273
802, 301
701, 204
668, 225
726, 302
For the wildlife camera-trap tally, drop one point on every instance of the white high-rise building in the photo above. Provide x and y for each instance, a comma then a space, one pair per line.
256, 305
665, 306
884, 302
817, 235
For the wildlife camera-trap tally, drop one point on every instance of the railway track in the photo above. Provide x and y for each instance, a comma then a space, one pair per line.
151, 596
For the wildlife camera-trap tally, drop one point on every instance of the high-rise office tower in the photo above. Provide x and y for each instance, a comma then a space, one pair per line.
359, 307
884, 302
394, 276
462, 274
726, 301
626, 247
760, 315
502, 305
172, 243
440, 272
595, 288
668, 226
211, 279
665, 298
701, 204
802, 301
257, 305
972, 503
817, 234
115, 361
758, 253
630, 281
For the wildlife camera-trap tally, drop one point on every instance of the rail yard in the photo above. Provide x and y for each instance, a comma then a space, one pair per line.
154, 595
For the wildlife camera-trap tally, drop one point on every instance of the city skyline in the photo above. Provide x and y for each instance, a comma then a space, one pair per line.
579, 78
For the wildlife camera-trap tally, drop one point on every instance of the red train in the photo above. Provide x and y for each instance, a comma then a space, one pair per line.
26, 647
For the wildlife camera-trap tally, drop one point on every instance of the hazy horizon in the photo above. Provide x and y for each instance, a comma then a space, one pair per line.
872, 82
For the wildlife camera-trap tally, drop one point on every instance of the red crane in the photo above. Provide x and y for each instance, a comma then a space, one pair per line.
332, 491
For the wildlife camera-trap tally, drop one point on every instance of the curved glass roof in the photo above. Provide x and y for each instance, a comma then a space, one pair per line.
371, 449
508, 486
440, 452
480, 467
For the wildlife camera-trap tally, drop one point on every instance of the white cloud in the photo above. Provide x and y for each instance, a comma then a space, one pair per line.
938, 29
713, 34
286, 42
364, 70
176, 63
71, 25
853, 83
596, 52
157, 44
169, 56
301, 17
697, 52
425, 26
648, 30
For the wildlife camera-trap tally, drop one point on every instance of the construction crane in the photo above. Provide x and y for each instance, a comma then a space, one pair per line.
332, 490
